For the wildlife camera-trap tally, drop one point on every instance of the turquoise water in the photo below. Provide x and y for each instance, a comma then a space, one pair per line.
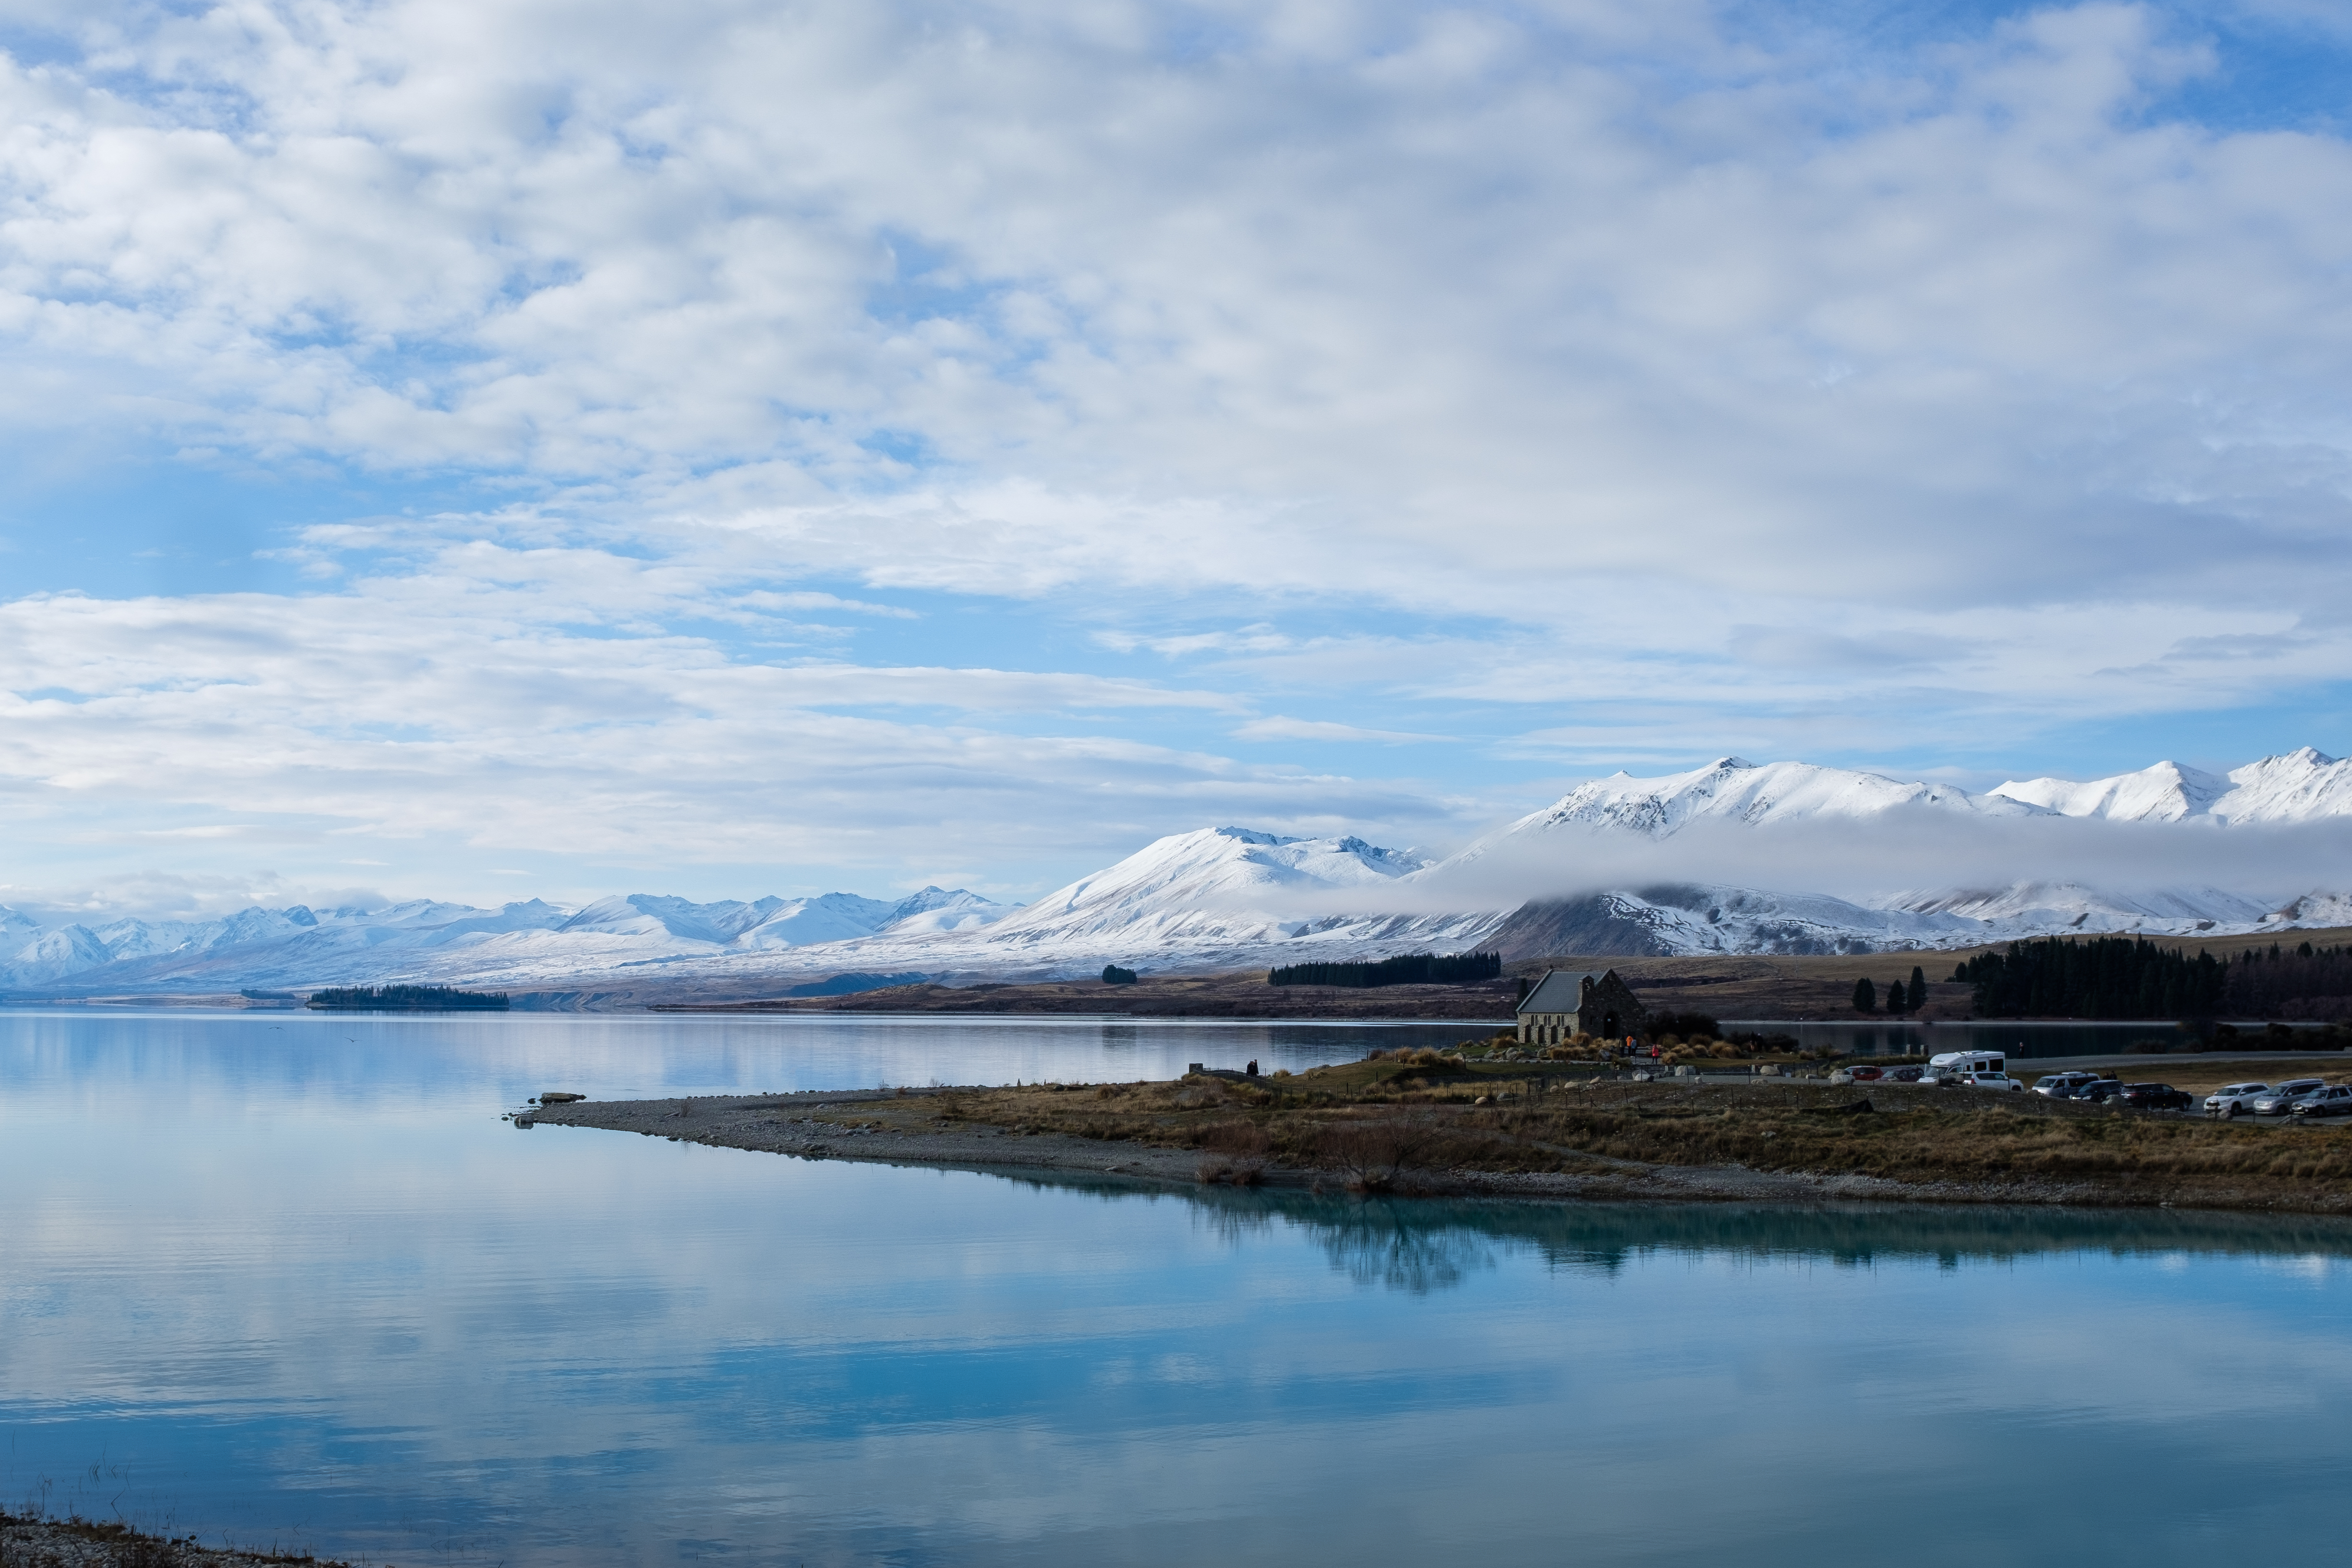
291, 1280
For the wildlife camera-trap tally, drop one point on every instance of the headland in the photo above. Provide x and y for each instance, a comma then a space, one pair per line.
1422, 1123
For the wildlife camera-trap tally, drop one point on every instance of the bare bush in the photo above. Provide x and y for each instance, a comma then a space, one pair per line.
1241, 1149
1374, 1154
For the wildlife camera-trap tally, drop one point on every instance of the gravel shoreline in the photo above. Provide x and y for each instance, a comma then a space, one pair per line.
31, 1542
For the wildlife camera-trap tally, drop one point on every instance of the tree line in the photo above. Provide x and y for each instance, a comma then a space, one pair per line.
406, 998
2098, 977
1406, 969
2301, 982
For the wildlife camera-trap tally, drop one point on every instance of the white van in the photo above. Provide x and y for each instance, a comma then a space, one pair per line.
1954, 1066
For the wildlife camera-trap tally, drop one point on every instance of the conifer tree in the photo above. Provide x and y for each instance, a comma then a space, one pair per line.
1918, 989
1865, 995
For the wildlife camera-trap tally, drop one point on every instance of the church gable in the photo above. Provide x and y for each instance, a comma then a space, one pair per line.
1566, 1002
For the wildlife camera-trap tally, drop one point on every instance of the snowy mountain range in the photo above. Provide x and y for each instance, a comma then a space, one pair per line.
2301, 786
1234, 896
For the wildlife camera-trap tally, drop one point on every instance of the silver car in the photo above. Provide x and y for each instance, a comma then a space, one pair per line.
2282, 1097
2336, 1100
2234, 1099
2060, 1085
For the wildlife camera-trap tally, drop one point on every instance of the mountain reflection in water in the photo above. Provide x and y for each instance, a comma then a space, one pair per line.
301, 1284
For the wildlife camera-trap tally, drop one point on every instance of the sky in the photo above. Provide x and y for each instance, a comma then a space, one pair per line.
501, 449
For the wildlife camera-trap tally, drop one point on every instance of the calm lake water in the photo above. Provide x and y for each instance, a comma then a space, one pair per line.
290, 1280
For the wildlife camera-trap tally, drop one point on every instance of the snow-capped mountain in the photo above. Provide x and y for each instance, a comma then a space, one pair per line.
2301, 786
1235, 897
2305, 786
2051, 905
1221, 884
442, 941
1691, 918
2165, 793
1733, 789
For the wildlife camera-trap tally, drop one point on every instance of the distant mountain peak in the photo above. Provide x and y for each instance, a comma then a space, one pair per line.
1235, 897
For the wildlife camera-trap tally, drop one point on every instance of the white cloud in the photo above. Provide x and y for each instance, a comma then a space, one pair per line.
1276, 727
313, 726
1672, 389
1460, 300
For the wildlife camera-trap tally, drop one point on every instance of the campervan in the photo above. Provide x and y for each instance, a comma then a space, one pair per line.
1946, 1067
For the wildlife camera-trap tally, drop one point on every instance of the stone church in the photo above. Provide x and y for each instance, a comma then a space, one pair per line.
1564, 1004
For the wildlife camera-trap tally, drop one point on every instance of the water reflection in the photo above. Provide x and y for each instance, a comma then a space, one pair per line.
425, 1060
313, 1291
1425, 1244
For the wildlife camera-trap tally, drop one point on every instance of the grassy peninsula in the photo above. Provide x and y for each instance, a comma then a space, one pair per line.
1421, 1123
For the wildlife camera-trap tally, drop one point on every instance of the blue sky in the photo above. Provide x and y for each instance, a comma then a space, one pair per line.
505, 448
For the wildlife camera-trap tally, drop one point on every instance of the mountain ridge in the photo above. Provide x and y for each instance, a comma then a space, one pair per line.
1236, 896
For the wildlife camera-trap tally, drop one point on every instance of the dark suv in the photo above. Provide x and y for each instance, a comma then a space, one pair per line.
2156, 1097
2097, 1090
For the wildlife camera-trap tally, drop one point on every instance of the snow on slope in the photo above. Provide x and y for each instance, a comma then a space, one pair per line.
1734, 789
2306, 785
935, 909
1218, 885
431, 941
56, 954
2165, 793
1215, 897
1693, 919
2052, 906
2301, 786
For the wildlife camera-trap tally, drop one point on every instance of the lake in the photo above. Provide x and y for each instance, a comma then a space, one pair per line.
288, 1278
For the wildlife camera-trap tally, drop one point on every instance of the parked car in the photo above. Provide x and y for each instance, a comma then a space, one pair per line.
2156, 1097
2097, 1090
2281, 1099
2234, 1099
2336, 1100
1903, 1075
2059, 1085
1987, 1080
1862, 1072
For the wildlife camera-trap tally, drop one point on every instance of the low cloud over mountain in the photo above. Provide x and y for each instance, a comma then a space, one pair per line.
1731, 858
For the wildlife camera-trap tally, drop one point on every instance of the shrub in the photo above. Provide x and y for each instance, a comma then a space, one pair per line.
1374, 1154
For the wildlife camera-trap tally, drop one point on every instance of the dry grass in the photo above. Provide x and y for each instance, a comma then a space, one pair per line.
1389, 1124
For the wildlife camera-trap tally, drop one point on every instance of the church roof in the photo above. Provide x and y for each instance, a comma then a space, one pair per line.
1559, 991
